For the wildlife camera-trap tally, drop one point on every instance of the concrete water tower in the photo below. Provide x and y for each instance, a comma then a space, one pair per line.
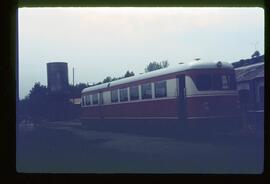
57, 77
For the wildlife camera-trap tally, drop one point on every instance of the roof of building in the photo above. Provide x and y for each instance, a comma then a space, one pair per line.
160, 72
75, 101
247, 62
249, 72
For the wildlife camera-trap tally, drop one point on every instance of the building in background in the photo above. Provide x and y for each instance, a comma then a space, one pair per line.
75, 101
250, 85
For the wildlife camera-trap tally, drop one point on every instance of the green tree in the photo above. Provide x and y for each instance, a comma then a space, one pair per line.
164, 64
110, 79
77, 89
40, 105
255, 54
156, 65
129, 74
35, 104
38, 91
107, 79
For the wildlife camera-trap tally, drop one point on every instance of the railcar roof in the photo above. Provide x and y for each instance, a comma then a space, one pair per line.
160, 72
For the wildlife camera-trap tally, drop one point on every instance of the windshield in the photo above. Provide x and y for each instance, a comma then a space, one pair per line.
207, 82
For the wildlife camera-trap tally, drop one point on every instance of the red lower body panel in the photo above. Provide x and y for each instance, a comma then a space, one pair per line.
212, 106
166, 108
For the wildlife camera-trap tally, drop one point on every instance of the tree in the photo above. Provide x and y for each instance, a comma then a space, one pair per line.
40, 105
255, 54
156, 66
23, 108
35, 104
129, 74
107, 79
77, 89
38, 91
165, 64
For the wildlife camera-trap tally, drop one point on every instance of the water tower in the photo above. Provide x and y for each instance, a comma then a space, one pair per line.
58, 90
57, 78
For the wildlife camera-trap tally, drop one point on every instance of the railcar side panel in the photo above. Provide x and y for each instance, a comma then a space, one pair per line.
159, 109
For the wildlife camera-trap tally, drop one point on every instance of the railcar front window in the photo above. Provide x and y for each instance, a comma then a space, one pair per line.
95, 99
217, 84
146, 91
160, 89
232, 81
123, 95
225, 82
114, 96
134, 92
206, 82
203, 82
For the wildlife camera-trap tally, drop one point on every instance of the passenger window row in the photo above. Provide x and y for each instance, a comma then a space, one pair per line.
124, 95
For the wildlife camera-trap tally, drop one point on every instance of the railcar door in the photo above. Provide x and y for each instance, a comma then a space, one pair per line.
182, 97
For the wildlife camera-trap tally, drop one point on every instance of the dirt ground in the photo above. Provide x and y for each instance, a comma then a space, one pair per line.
67, 147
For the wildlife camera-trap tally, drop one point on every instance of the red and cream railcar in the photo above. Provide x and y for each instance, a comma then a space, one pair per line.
196, 93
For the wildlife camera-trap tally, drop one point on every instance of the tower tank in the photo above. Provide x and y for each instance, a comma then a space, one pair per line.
57, 77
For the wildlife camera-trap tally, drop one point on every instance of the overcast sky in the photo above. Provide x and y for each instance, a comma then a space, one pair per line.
100, 42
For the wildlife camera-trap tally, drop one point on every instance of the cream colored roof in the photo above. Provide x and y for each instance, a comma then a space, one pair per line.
160, 72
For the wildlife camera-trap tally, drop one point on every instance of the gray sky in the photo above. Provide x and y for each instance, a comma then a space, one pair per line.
102, 42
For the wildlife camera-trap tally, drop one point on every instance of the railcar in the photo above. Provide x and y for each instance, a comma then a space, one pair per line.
196, 94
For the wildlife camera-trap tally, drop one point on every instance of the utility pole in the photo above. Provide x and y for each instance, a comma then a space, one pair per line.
255, 45
73, 84
73, 75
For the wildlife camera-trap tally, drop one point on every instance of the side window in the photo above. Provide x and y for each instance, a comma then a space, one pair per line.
95, 99
123, 95
101, 98
87, 99
114, 96
90, 101
134, 93
82, 101
146, 91
160, 89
